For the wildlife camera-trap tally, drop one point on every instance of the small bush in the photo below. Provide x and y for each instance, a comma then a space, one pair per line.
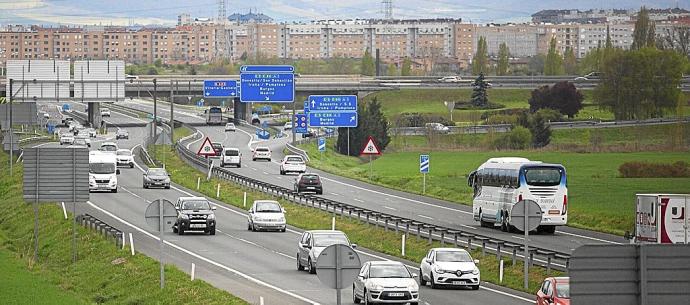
419, 119
678, 169
518, 138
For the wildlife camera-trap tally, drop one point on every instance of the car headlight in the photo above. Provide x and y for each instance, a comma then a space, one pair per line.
475, 271
281, 219
413, 286
437, 269
376, 287
184, 216
211, 216
257, 218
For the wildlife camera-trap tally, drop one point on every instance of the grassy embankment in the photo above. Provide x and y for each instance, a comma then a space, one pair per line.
367, 236
598, 198
97, 277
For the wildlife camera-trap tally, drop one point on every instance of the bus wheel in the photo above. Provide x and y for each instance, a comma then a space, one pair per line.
547, 229
482, 223
505, 227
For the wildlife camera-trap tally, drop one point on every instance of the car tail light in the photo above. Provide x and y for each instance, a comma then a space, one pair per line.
520, 198
565, 204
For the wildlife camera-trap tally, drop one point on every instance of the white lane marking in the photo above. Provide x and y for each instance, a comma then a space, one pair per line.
279, 178
207, 260
466, 226
358, 251
254, 168
424, 216
385, 207
255, 244
517, 237
265, 173
335, 194
591, 238
358, 200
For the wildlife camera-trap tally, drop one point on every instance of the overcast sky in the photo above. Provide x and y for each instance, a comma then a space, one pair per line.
124, 12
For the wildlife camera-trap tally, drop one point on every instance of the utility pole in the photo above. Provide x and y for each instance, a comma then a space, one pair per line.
155, 112
11, 130
172, 115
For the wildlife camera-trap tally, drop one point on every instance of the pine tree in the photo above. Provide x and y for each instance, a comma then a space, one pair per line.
609, 43
406, 69
372, 123
480, 61
554, 61
570, 61
503, 59
368, 65
643, 35
479, 96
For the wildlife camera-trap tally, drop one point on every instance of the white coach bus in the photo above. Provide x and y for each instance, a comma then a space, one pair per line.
499, 183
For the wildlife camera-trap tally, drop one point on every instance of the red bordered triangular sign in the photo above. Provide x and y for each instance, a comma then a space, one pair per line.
370, 147
206, 148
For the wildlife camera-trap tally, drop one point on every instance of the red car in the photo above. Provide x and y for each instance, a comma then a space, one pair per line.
554, 290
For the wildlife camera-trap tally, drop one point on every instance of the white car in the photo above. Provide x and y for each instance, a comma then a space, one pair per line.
82, 140
231, 156
292, 164
266, 215
437, 127
124, 157
450, 79
108, 147
311, 244
288, 126
230, 127
92, 132
449, 267
105, 112
261, 152
66, 139
385, 282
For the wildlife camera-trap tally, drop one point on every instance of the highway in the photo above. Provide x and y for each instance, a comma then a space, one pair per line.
247, 264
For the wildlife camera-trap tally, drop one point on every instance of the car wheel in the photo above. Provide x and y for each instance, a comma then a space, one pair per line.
167, 187
482, 223
282, 172
299, 265
115, 190
174, 229
212, 231
355, 299
504, 222
365, 297
253, 159
283, 230
146, 186
180, 231
310, 267
422, 281
239, 165
432, 281
254, 228
131, 165
475, 287
319, 193
222, 164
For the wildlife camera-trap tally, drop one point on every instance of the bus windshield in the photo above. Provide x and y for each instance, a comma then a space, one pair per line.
543, 176
215, 110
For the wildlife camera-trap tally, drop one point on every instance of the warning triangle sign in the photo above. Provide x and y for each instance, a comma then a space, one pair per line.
206, 148
370, 148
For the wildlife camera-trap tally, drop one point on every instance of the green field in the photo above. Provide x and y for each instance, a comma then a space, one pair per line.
370, 237
96, 278
598, 198
430, 101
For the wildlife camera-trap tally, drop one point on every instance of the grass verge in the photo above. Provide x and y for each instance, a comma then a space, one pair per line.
96, 277
367, 236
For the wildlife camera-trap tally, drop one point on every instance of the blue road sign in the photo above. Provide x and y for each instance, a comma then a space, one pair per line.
65, 107
424, 164
306, 106
333, 119
322, 144
263, 134
332, 103
273, 84
50, 128
329, 130
300, 124
220, 88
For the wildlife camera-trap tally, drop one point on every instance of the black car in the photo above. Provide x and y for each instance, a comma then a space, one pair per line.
121, 134
308, 183
194, 214
218, 148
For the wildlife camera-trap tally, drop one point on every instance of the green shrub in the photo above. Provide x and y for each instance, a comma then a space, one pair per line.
678, 169
518, 138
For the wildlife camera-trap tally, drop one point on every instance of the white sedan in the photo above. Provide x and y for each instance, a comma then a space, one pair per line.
449, 267
66, 139
385, 282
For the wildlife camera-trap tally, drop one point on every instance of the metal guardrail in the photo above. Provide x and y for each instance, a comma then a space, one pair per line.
101, 227
422, 230
298, 151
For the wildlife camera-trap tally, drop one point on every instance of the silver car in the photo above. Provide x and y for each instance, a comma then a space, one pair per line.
313, 242
266, 215
156, 177
386, 282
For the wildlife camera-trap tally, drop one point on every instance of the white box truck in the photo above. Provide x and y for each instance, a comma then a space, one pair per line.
662, 218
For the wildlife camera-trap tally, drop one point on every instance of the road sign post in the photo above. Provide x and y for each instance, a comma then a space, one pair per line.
322, 144
337, 267
526, 216
267, 84
332, 110
370, 148
299, 123
424, 169
160, 215
220, 88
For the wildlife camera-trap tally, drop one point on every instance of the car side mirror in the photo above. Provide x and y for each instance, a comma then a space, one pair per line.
283, 210
627, 235
354, 246
213, 208
428, 260
117, 172
250, 211
476, 262
414, 275
308, 246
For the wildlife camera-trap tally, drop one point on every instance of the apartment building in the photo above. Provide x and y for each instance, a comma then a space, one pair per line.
521, 39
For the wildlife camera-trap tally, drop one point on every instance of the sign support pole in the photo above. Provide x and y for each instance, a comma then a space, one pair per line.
424, 184
348, 141
38, 174
172, 116
526, 267
155, 112
11, 130
371, 168
74, 209
160, 233
294, 134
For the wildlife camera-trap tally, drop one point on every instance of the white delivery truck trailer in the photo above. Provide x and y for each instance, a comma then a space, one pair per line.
662, 218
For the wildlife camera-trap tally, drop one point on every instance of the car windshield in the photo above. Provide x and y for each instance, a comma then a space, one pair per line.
453, 256
216, 145
157, 172
268, 207
195, 205
388, 271
108, 148
124, 153
294, 159
101, 168
563, 290
262, 149
310, 178
122, 132
232, 152
325, 240
543, 176
229, 125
